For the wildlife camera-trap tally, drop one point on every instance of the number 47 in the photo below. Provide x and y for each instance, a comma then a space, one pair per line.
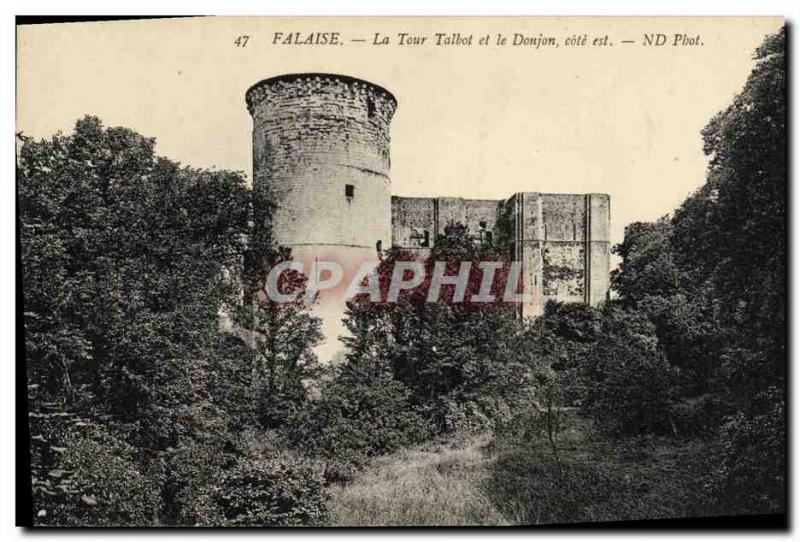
241, 41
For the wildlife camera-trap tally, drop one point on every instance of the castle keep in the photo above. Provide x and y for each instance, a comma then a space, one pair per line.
321, 145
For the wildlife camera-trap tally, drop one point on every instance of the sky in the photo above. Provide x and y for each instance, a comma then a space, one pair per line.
472, 121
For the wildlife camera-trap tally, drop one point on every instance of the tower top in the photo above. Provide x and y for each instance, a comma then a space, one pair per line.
256, 91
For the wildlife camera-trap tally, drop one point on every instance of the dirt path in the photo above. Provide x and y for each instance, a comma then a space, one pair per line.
434, 484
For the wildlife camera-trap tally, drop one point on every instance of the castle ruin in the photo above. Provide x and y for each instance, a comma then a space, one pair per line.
321, 144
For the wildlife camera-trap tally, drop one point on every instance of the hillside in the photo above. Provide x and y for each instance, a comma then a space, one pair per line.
435, 484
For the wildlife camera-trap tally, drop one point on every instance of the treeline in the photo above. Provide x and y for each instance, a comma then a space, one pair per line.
165, 388
682, 377
691, 356
141, 411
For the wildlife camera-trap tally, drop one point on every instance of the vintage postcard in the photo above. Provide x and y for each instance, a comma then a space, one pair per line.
402, 271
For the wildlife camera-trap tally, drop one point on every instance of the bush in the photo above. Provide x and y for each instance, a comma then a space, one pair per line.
189, 474
750, 473
362, 412
278, 490
629, 382
456, 415
99, 484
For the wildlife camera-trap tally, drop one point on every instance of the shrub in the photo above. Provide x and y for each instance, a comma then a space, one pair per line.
750, 473
99, 484
629, 382
282, 489
362, 412
457, 415
189, 473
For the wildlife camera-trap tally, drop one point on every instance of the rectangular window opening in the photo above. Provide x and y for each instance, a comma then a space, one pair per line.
349, 190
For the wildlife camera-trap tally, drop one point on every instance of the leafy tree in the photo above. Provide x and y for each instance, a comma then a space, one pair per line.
562, 339
713, 281
283, 335
126, 259
123, 255
454, 357
648, 267
732, 232
630, 383
684, 310
361, 412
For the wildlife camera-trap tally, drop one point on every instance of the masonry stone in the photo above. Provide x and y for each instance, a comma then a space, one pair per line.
321, 146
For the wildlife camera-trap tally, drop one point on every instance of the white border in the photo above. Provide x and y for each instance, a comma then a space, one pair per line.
787, 8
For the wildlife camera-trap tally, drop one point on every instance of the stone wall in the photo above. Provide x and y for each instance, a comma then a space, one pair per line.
414, 223
416, 219
563, 242
321, 146
599, 244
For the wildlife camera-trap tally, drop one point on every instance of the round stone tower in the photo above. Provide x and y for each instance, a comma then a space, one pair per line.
321, 146
321, 149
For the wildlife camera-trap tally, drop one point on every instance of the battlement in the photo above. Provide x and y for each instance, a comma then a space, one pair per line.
321, 147
316, 84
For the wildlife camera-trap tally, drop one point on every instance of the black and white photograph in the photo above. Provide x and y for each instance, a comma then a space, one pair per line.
459, 271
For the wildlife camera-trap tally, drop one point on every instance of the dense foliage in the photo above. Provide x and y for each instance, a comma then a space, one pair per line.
455, 358
361, 412
165, 388
278, 490
693, 349
134, 393
724, 307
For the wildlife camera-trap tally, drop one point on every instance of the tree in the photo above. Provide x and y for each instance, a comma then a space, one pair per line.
454, 357
126, 259
713, 281
680, 304
282, 335
732, 232
647, 268
631, 384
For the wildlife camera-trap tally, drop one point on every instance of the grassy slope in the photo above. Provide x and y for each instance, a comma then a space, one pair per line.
598, 479
446, 482
438, 483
